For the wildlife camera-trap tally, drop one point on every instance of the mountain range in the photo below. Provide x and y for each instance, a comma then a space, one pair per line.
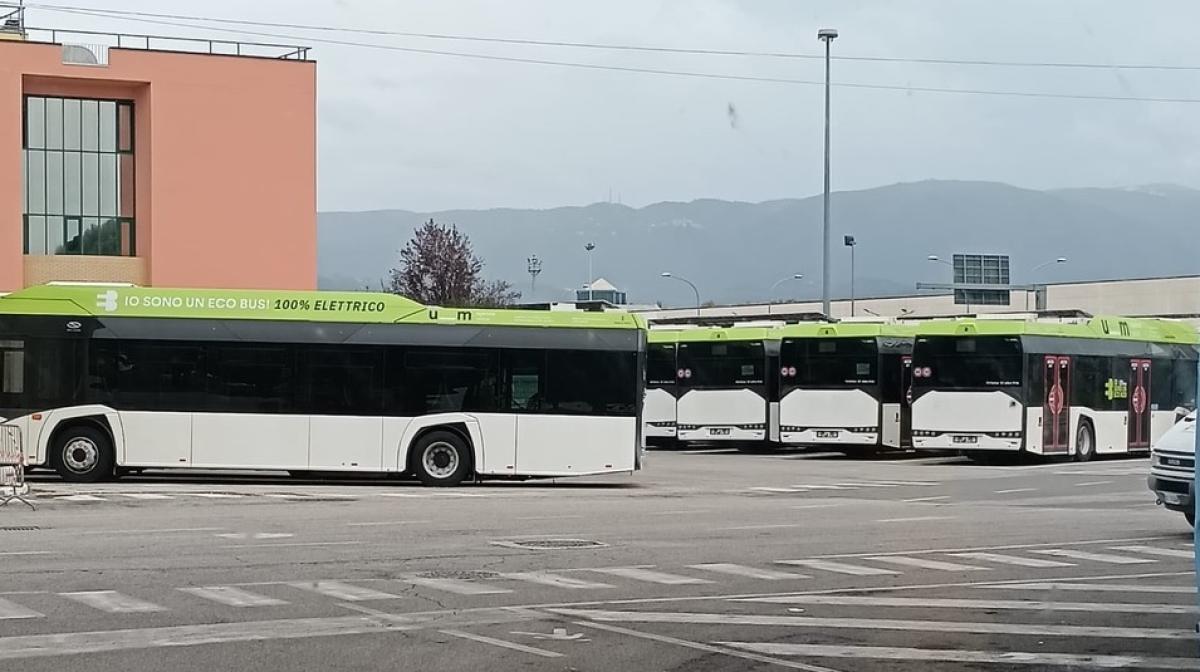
736, 251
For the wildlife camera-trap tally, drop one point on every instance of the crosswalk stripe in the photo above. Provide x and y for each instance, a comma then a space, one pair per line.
456, 586
1094, 557
233, 597
112, 602
212, 495
1154, 550
343, 591
915, 483
1098, 587
13, 610
865, 484
1012, 560
824, 487
956, 603
839, 567
990, 627
923, 563
963, 656
555, 580
641, 574
798, 488
145, 495
81, 498
749, 572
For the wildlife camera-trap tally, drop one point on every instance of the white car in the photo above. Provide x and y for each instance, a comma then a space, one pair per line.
1173, 468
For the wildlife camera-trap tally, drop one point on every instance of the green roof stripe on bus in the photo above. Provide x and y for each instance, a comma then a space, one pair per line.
704, 334
241, 304
847, 330
1101, 326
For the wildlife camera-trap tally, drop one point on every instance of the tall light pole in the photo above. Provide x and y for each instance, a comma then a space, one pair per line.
667, 274
534, 266
848, 241
1035, 269
938, 260
794, 276
826, 35
589, 247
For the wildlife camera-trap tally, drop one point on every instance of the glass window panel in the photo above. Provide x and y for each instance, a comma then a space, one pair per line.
36, 233
89, 242
55, 235
36, 180
25, 181
125, 127
13, 365
91, 184
54, 123
125, 188
108, 184
90, 124
72, 185
74, 235
108, 126
35, 122
109, 243
71, 120
54, 183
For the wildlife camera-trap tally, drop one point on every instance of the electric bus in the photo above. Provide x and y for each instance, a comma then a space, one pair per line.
726, 383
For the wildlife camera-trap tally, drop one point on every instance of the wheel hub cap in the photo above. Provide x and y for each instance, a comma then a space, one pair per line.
81, 455
440, 460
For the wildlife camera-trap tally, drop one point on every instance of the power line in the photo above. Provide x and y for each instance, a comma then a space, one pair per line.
642, 70
627, 47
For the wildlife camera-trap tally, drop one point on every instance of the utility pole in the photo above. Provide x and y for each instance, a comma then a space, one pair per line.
826, 35
589, 247
849, 242
534, 266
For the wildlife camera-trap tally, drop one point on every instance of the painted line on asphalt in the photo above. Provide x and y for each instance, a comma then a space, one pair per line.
555, 580
1101, 588
112, 602
343, 591
1012, 560
989, 628
749, 572
707, 648
758, 527
682, 512
547, 517
389, 522
169, 530
650, 576
502, 643
839, 567
1092, 557
1011, 547
1154, 550
17, 553
826, 505
293, 545
1014, 490
913, 519
1091, 483
918, 500
456, 586
231, 596
923, 563
967, 603
965, 656
13, 610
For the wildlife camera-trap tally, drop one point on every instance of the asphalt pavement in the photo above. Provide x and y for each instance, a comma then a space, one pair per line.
707, 560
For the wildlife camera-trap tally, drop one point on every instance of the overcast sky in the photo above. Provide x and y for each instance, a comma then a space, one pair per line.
426, 132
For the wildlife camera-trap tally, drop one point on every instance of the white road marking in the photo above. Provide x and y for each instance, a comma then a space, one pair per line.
1013, 490
911, 483
793, 489
839, 567
456, 586
924, 563
13, 610
865, 484
917, 500
1091, 483
81, 498
642, 574
343, 591
169, 530
501, 643
145, 495
257, 535
389, 522
1009, 547
1100, 588
112, 602
759, 527
823, 487
291, 545
1094, 557
212, 495
749, 572
965, 656
955, 603
233, 597
1036, 629
913, 519
555, 580
1012, 560
1154, 550
16, 553
685, 512
827, 505
547, 517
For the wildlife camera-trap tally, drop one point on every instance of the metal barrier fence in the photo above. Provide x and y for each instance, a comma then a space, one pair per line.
12, 467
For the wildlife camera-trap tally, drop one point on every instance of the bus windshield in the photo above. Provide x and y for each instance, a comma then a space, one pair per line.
968, 362
831, 362
660, 365
722, 364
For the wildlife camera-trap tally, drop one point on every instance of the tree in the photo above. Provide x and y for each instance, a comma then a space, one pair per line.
438, 267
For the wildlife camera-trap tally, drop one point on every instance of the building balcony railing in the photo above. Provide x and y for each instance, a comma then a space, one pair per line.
86, 47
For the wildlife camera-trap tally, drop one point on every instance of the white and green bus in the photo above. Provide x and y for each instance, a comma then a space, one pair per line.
106, 379
1073, 386
845, 385
662, 388
725, 384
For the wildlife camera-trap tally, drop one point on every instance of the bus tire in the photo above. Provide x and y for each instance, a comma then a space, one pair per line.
83, 454
441, 459
1085, 441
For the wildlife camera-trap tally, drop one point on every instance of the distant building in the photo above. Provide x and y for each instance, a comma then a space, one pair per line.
602, 290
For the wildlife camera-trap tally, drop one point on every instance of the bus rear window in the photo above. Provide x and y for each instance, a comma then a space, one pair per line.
660, 365
831, 362
968, 362
722, 364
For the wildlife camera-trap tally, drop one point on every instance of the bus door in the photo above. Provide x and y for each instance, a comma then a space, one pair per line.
1056, 404
1139, 403
906, 381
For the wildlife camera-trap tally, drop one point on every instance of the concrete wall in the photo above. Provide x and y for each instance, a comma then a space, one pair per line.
225, 153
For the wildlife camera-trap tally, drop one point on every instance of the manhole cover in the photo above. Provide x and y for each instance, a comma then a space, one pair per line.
551, 544
460, 575
20, 528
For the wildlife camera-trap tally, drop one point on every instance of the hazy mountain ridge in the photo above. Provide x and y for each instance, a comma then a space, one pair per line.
735, 251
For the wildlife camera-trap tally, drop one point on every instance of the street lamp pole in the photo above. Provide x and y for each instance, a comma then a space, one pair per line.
826, 35
1035, 269
794, 276
667, 274
849, 242
938, 260
589, 247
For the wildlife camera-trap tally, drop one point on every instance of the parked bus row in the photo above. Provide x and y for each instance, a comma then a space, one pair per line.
1072, 386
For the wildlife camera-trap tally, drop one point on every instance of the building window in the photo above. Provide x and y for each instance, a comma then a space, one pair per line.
78, 176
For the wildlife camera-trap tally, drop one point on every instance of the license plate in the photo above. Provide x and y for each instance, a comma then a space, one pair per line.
826, 434
965, 439
718, 431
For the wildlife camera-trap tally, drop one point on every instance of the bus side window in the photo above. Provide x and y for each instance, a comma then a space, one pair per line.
12, 367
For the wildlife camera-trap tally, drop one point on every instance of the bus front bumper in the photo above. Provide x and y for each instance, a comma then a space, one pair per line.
721, 433
660, 430
846, 436
1173, 493
964, 441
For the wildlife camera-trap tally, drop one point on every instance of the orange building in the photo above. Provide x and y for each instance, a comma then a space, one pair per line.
155, 161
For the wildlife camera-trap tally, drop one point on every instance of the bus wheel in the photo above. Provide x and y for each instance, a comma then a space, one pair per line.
83, 454
1085, 442
441, 459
